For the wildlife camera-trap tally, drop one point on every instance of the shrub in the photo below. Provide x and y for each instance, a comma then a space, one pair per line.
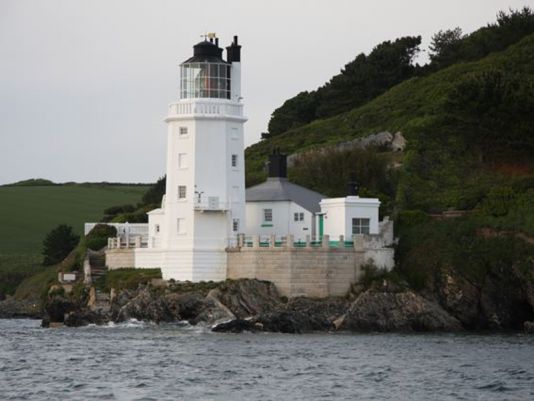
97, 238
58, 243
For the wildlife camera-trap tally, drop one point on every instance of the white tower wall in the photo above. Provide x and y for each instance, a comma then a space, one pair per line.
204, 205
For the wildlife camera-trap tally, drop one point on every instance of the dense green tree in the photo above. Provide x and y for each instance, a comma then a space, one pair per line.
450, 47
155, 193
367, 77
445, 47
59, 242
361, 80
297, 111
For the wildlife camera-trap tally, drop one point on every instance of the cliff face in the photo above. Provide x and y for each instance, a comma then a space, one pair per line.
253, 305
503, 299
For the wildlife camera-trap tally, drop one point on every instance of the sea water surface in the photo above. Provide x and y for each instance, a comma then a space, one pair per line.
137, 361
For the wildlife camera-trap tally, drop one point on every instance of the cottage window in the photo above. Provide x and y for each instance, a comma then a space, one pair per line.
182, 191
268, 215
360, 226
298, 216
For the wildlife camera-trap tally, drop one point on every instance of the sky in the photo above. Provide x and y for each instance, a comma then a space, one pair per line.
84, 85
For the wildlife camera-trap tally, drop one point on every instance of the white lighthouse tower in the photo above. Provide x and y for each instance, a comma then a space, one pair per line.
203, 209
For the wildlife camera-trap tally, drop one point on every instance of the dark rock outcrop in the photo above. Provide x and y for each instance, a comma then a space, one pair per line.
253, 305
377, 310
11, 308
503, 299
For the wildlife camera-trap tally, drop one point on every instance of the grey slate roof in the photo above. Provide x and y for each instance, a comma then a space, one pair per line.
280, 189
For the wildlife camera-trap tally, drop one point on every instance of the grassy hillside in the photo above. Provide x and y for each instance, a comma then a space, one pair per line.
27, 213
470, 146
450, 161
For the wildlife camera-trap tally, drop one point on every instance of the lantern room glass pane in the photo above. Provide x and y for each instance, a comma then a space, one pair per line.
205, 80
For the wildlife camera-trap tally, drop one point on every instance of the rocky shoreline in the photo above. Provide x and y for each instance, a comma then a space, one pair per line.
253, 305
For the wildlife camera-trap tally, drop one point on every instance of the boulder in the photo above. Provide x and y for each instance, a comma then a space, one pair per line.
237, 326
248, 297
376, 310
57, 306
143, 305
528, 327
84, 317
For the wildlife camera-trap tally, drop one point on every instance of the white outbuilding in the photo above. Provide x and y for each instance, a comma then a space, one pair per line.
350, 216
279, 207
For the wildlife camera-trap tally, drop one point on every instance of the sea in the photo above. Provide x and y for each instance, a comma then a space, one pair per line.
141, 361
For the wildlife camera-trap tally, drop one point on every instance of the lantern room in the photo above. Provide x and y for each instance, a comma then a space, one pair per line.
206, 74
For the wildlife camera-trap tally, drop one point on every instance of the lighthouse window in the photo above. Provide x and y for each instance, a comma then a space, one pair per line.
360, 226
234, 160
268, 215
235, 225
183, 130
182, 191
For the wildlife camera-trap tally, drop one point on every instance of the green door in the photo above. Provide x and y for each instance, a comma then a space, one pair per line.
320, 226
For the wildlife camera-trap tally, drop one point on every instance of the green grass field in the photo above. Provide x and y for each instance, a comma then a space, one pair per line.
27, 214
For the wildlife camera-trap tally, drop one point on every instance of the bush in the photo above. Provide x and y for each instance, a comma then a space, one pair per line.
58, 243
97, 238
498, 201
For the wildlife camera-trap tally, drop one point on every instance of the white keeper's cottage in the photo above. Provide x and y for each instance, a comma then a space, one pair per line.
210, 228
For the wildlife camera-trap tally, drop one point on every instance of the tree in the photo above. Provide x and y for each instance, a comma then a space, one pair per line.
155, 193
59, 242
297, 111
369, 76
445, 47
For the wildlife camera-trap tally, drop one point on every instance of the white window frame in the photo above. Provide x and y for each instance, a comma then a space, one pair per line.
361, 225
182, 192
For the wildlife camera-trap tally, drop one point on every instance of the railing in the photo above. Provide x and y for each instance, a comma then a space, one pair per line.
128, 242
205, 108
273, 241
122, 228
210, 203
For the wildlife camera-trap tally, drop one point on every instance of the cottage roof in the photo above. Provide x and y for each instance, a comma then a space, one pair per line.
280, 189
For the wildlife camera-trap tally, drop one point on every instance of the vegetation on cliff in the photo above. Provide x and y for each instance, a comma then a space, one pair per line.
469, 128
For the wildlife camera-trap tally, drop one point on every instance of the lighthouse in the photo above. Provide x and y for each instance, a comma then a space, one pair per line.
203, 209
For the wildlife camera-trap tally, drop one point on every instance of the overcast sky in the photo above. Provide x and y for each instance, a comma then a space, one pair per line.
84, 85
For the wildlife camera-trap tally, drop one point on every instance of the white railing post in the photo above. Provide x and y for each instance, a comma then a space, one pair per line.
290, 241
326, 241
